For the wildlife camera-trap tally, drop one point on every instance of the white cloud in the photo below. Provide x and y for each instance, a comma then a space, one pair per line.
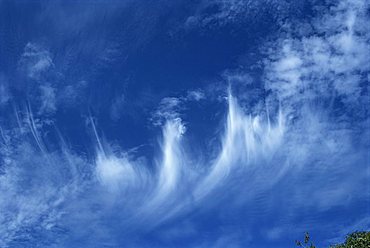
35, 61
171, 108
33, 186
48, 99
219, 13
171, 180
246, 141
318, 80
292, 147
329, 65
227, 12
195, 95
117, 107
5, 95
172, 160
72, 93
119, 174
168, 109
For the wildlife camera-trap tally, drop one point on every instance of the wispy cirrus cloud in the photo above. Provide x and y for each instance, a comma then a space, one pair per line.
171, 108
35, 61
220, 13
273, 152
247, 140
331, 63
42, 80
5, 95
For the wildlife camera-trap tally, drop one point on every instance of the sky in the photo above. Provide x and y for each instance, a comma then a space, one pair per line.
186, 123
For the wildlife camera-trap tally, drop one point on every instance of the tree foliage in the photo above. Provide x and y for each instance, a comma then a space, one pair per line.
306, 243
353, 240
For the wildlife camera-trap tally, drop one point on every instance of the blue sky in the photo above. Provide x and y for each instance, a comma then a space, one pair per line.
202, 123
